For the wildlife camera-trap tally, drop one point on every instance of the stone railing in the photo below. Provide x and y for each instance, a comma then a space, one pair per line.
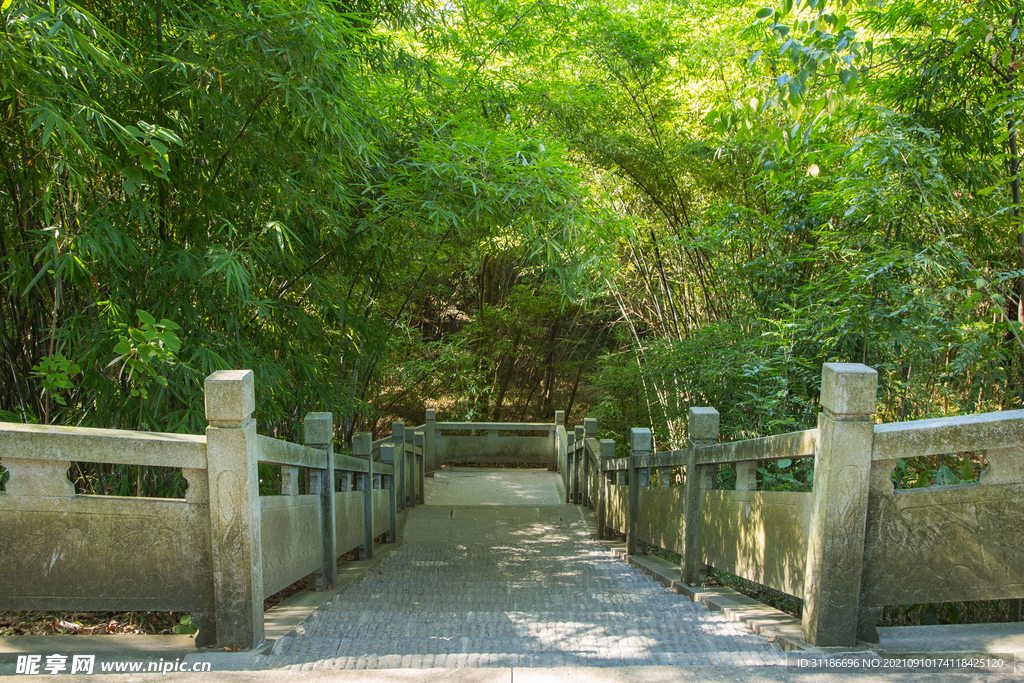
848, 547
218, 552
411, 457
496, 447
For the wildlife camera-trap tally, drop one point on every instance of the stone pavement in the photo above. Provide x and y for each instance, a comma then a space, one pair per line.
500, 585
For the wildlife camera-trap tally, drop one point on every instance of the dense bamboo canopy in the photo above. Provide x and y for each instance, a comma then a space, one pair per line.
501, 208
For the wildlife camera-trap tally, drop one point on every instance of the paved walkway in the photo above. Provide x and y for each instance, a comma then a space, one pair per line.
503, 585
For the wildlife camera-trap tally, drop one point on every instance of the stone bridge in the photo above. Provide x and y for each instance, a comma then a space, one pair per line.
475, 567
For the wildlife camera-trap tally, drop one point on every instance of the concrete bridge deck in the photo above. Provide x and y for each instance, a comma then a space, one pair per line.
494, 571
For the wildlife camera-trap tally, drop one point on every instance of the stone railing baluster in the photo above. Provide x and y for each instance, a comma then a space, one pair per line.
387, 457
842, 472
639, 445
232, 459
398, 439
362, 444
318, 432
430, 462
702, 430
605, 481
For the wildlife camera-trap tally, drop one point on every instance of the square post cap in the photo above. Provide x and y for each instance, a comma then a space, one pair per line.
640, 440
607, 449
362, 444
578, 431
418, 437
431, 414
590, 426
230, 396
559, 417
398, 430
702, 423
848, 389
387, 452
318, 428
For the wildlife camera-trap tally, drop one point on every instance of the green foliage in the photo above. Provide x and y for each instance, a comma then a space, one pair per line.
55, 373
265, 177
144, 351
185, 626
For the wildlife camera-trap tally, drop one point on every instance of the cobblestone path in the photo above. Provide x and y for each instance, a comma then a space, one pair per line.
503, 586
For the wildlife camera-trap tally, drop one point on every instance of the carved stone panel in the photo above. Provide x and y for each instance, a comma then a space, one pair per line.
290, 536
945, 544
617, 500
381, 512
104, 553
759, 535
348, 518
661, 517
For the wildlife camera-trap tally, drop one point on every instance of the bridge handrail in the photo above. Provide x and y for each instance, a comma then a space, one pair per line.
496, 426
801, 444
937, 436
202, 554
279, 452
88, 444
790, 540
673, 458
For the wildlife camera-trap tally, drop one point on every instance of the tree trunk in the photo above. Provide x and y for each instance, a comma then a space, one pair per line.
506, 377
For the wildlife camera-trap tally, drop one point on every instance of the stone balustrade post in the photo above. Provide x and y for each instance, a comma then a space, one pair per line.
604, 488
318, 432
570, 449
430, 462
362, 447
410, 469
387, 457
420, 462
559, 422
842, 473
574, 482
702, 430
589, 432
398, 439
232, 456
639, 445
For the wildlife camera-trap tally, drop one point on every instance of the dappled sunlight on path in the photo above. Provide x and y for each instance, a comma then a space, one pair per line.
501, 585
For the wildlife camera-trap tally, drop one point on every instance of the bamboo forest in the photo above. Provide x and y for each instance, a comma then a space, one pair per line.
500, 208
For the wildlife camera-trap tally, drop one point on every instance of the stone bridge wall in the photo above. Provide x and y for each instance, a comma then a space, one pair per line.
218, 552
851, 546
